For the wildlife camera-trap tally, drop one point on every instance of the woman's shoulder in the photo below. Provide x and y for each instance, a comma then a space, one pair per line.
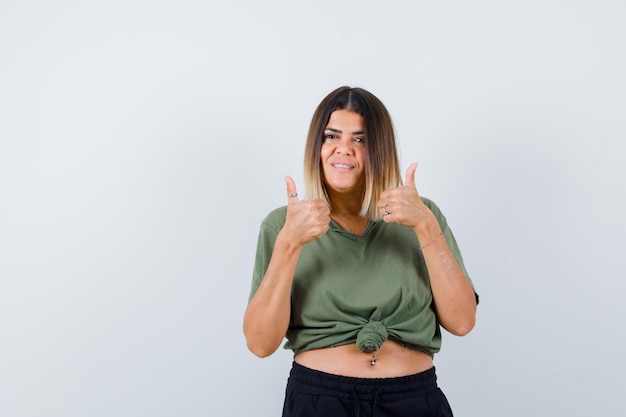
276, 218
430, 204
434, 208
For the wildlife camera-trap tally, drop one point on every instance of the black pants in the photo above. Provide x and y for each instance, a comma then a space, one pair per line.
312, 393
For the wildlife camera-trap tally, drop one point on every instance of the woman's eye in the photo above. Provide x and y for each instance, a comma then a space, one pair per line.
330, 137
359, 140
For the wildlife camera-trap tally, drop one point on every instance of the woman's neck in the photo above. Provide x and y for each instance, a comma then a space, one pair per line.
346, 204
347, 215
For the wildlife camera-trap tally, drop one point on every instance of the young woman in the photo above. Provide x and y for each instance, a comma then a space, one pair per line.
360, 276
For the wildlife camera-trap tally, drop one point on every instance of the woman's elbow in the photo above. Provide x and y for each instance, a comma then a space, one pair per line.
461, 331
257, 343
262, 350
462, 327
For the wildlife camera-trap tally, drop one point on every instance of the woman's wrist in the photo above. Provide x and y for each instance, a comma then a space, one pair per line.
288, 242
427, 230
439, 237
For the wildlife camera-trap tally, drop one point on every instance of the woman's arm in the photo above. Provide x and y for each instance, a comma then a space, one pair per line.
454, 297
455, 300
267, 316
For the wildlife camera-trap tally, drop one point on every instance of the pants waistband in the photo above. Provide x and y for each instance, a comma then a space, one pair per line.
318, 383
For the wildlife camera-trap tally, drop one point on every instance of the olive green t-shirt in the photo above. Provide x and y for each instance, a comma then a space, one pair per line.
362, 289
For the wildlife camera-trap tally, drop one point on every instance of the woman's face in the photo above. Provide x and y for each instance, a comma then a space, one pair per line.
343, 153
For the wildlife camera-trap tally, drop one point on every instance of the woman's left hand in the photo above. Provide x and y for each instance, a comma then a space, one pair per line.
403, 205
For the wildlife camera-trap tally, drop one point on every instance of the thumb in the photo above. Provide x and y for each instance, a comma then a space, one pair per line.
292, 194
410, 175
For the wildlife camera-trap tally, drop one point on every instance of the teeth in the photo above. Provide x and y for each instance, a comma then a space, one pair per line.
342, 166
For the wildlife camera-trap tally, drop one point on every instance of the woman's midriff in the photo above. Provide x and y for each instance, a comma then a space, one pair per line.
391, 360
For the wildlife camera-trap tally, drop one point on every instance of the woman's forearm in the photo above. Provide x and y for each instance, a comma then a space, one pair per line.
267, 316
455, 301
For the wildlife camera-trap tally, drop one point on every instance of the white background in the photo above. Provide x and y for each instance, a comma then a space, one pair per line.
142, 142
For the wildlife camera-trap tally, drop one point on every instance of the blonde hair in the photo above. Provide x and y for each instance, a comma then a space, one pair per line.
382, 170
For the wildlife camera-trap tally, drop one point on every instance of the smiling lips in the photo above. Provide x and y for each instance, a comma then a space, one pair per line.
342, 165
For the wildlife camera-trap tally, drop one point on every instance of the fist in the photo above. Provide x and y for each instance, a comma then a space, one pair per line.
306, 220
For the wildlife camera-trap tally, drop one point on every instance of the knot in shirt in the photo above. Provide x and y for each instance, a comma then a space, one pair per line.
371, 337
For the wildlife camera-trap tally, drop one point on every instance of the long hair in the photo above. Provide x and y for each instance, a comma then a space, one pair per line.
382, 170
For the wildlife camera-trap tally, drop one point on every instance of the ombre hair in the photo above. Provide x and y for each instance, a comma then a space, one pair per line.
382, 170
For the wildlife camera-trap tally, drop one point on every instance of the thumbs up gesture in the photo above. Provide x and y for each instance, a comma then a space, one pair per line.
306, 220
403, 204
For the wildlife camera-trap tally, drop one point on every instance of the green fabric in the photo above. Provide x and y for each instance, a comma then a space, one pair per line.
362, 289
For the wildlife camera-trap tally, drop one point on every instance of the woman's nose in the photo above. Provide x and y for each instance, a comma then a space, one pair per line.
345, 147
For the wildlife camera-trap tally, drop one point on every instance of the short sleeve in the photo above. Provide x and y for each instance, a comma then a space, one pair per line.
270, 227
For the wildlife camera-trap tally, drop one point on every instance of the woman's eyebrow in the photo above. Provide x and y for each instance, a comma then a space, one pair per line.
359, 132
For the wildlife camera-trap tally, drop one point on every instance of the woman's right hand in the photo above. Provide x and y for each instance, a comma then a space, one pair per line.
306, 220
